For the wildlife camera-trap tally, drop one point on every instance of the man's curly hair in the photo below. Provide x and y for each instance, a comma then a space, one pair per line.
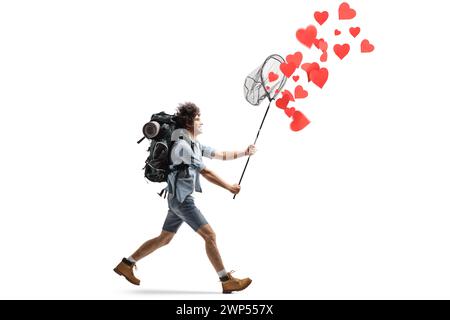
185, 115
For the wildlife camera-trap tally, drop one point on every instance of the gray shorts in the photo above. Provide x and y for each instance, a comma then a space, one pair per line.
185, 211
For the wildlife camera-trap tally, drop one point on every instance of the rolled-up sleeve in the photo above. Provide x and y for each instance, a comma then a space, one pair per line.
207, 151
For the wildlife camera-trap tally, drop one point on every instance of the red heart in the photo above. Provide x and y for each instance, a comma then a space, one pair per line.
321, 17
308, 67
282, 102
337, 32
366, 46
288, 94
319, 77
287, 69
317, 42
345, 12
355, 31
324, 57
295, 59
289, 111
299, 122
341, 50
277, 91
272, 76
300, 93
295, 78
323, 45
307, 36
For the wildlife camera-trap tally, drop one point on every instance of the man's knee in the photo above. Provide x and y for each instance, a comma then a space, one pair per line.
210, 237
165, 237
207, 233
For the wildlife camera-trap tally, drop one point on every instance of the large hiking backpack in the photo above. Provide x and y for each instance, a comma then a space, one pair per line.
159, 130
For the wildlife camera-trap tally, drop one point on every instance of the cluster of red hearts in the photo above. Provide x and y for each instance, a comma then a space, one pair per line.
316, 73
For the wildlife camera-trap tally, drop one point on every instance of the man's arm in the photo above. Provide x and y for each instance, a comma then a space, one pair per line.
231, 155
214, 178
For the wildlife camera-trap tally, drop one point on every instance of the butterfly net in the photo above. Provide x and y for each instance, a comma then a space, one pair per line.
257, 84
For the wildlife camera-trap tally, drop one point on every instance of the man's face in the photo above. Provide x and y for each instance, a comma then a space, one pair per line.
198, 125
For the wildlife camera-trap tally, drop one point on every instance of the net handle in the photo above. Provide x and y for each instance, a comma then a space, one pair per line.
256, 139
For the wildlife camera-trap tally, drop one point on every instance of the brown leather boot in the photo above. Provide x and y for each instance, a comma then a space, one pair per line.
125, 268
235, 284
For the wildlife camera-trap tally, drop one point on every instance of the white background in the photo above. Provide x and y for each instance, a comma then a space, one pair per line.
355, 206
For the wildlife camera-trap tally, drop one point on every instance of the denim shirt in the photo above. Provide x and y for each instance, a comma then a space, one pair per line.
186, 151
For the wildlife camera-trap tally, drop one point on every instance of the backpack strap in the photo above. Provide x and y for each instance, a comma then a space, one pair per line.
163, 191
182, 165
177, 168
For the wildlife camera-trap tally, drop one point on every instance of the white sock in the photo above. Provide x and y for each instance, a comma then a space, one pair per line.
222, 273
130, 258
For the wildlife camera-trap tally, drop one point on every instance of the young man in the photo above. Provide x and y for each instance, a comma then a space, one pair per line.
186, 157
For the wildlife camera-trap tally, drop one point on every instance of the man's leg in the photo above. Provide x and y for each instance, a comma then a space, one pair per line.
125, 267
207, 233
170, 227
195, 219
151, 245
229, 283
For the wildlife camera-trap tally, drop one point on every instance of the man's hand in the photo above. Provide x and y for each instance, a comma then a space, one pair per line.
234, 189
251, 150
